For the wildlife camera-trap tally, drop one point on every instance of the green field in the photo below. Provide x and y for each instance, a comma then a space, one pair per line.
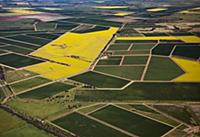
20, 44
146, 111
161, 68
46, 91
110, 61
192, 52
90, 108
44, 35
131, 122
13, 123
90, 29
128, 60
163, 49
142, 46
180, 112
43, 26
17, 49
26, 131
86, 127
18, 61
100, 80
119, 47
129, 72
144, 91
143, 108
37, 108
132, 52
15, 75
27, 84
30, 39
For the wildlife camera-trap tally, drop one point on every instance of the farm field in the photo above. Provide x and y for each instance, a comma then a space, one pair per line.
95, 129
46, 91
99, 68
131, 122
30, 83
17, 61
17, 127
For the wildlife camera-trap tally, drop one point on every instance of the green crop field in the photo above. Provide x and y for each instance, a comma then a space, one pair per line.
100, 80
142, 46
29, 39
46, 91
131, 122
180, 112
119, 47
75, 121
163, 49
129, 72
17, 61
145, 91
113, 60
135, 60
27, 84
192, 52
44, 35
161, 68
17, 49
37, 108
17, 43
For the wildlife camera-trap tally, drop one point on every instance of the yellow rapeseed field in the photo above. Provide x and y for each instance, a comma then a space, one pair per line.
187, 39
156, 9
122, 13
110, 7
192, 69
23, 11
78, 51
54, 71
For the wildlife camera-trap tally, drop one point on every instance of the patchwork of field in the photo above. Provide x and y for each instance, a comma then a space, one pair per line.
100, 68
127, 120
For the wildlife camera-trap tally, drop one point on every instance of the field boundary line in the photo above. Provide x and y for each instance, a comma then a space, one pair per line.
124, 65
162, 56
35, 45
21, 80
147, 63
122, 60
172, 130
61, 128
36, 87
59, 116
161, 122
19, 47
130, 47
31, 36
172, 51
8, 66
164, 114
111, 75
104, 105
37, 36
95, 62
108, 125
132, 55
128, 84
87, 106
5, 53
